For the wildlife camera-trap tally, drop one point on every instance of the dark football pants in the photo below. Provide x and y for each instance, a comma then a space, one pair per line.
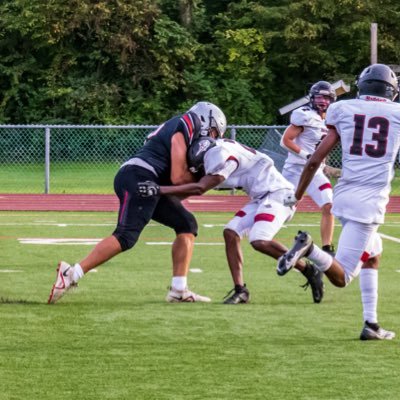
135, 212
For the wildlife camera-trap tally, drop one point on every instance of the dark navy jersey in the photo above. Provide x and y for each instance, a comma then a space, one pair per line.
157, 148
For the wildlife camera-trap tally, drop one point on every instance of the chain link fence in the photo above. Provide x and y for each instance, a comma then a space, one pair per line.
84, 159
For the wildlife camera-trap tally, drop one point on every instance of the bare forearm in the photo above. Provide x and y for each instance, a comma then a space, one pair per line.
307, 175
188, 189
312, 165
193, 189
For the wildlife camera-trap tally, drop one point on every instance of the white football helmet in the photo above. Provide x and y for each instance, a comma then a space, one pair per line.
210, 116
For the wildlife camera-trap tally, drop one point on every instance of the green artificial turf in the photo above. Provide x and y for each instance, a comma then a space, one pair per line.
116, 338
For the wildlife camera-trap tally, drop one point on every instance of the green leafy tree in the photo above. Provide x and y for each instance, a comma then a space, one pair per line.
119, 61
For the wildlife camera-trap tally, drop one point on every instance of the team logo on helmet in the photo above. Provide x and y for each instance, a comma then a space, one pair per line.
196, 152
203, 146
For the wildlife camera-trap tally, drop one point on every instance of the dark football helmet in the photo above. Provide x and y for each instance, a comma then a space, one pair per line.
322, 94
210, 116
196, 152
378, 80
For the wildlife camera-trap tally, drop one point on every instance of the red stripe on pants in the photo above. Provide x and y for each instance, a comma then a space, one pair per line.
365, 256
264, 217
325, 186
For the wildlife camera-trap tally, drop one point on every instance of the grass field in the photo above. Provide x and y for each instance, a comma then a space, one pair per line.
78, 177
116, 338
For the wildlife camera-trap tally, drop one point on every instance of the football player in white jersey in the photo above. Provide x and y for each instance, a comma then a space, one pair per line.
306, 130
368, 129
228, 163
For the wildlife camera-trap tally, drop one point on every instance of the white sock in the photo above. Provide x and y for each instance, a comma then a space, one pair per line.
320, 258
78, 272
179, 282
369, 294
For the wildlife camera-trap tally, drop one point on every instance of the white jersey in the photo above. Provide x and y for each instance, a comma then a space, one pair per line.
255, 172
369, 130
314, 130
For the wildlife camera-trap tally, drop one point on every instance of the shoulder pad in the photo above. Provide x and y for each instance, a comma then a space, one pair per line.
301, 116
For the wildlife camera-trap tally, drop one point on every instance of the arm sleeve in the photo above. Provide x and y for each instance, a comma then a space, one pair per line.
226, 169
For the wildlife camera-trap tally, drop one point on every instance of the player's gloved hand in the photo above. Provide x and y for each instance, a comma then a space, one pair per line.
148, 189
290, 200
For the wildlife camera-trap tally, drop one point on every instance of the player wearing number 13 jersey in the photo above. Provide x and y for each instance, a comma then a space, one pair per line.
368, 129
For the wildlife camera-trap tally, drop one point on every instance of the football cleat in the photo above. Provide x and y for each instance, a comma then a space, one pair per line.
373, 331
330, 249
63, 282
301, 245
241, 295
185, 296
314, 279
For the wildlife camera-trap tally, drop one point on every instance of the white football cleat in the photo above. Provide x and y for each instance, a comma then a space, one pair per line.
375, 332
185, 296
63, 283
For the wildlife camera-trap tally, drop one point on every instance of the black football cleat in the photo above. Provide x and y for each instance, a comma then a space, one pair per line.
373, 331
330, 249
314, 279
301, 246
241, 295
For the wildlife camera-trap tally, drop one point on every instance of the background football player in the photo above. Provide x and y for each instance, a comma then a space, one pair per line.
301, 138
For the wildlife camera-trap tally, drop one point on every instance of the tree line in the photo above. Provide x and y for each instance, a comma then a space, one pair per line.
141, 61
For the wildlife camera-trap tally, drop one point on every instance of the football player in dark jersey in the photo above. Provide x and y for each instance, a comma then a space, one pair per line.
162, 159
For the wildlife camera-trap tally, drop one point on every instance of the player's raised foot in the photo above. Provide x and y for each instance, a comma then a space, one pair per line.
185, 296
315, 281
373, 331
63, 282
238, 295
301, 245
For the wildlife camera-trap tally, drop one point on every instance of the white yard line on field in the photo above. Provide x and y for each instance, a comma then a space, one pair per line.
93, 241
206, 225
59, 241
49, 224
59, 224
393, 239
9, 271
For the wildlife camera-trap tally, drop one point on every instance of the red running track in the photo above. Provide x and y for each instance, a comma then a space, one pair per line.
100, 202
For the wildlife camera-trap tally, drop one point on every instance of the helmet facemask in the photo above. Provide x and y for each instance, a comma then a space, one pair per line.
322, 94
321, 102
